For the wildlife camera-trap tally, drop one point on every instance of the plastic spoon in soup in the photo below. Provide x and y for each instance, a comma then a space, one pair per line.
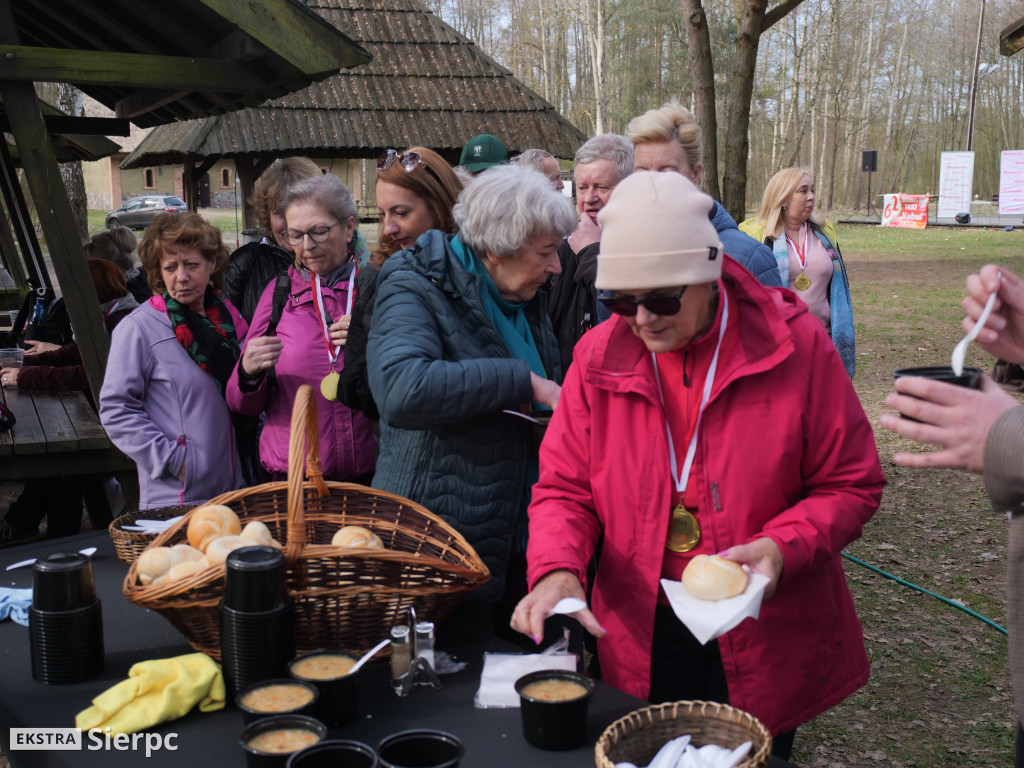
960, 350
368, 655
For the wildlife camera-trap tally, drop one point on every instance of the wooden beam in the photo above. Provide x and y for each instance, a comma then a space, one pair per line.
249, 169
126, 70
58, 224
87, 126
9, 255
1011, 38
284, 27
21, 221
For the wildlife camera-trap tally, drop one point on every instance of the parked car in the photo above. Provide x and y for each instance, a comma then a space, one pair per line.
139, 211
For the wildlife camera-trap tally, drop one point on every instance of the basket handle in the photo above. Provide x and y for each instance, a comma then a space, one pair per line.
304, 441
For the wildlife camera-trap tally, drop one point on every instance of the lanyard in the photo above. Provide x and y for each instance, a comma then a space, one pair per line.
800, 250
678, 478
112, 307
318, 302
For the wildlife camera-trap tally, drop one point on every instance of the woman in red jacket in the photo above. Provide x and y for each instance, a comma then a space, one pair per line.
713, 415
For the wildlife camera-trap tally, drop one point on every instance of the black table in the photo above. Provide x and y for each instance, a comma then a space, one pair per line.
493, 737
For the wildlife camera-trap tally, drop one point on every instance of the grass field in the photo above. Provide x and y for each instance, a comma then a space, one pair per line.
939, 693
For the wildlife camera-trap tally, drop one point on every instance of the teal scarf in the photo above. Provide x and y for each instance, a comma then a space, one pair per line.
507, 316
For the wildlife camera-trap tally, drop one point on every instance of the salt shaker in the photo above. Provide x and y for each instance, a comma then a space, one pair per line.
425, 642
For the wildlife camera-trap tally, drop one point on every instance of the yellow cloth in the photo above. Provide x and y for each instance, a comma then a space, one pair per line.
157, 691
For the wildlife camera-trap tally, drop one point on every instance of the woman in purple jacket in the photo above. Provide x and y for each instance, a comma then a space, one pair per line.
306, 346
162, 400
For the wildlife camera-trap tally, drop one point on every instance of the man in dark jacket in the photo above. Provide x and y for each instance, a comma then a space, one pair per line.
600, 164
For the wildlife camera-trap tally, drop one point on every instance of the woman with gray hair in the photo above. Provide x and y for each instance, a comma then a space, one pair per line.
305, 346
460, 345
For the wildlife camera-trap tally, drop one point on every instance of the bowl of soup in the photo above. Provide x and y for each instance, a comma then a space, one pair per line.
277, 697
331, 673
270, 741
554, 705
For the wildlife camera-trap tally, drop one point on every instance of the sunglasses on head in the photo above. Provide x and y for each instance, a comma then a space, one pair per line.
663, 304
410, 161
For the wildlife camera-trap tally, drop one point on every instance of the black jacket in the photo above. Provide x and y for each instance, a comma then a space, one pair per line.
251, 269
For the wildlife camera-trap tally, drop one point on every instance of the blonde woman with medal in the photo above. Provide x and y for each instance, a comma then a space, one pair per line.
709, 415
307, 345
807, 252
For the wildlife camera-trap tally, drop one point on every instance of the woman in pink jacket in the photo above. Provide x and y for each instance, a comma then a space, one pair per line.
307, 344
713, 415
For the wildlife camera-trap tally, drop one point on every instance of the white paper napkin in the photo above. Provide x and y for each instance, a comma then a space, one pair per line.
501, 670
708, 619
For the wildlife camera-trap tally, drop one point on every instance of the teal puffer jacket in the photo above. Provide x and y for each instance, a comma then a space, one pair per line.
441, 377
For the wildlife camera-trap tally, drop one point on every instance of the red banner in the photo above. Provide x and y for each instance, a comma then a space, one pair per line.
907, 211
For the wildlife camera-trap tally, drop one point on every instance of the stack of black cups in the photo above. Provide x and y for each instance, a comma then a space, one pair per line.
257, 619
65, 620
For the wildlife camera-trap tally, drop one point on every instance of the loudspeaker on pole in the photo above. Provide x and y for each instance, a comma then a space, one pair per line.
869, 160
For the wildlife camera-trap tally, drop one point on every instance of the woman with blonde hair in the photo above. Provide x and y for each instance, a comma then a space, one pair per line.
668, 139
416, 191
806, 250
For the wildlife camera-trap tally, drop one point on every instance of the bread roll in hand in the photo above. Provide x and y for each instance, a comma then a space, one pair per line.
210, 522
710, 577
357, 536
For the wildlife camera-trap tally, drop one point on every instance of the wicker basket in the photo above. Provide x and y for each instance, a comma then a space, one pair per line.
637, 737
129, 544
344, 597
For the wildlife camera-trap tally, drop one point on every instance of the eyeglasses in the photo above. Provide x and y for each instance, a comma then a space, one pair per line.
317, 234
409, 160
664, 305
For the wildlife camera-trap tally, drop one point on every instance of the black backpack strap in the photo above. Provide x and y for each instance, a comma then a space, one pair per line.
282, 288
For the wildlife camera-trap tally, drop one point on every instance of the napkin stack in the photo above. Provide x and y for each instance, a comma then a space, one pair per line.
157, 691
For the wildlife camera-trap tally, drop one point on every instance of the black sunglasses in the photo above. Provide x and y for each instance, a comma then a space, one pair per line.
664, 305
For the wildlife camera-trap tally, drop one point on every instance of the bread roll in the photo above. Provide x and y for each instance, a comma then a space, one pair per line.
188, 552
155, 562
209, 522
710, 577
357, 536
219, 549
260, 534
186, 568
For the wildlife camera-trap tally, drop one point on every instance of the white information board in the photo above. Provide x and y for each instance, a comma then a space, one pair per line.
1011, 181
956, 177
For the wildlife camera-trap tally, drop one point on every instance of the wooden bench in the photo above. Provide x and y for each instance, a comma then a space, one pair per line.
57, 434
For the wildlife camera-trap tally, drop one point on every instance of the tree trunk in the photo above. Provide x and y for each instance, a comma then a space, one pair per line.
703, 73
69, 101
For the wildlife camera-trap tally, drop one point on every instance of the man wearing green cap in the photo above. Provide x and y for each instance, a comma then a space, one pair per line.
482, 152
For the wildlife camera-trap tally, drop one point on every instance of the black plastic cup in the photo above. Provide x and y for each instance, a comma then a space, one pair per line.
339, 696
254, 758
555, 724
63, 582
254, 579
335, 753
969, 377
421, 748
250, 715
256, 647
66, 647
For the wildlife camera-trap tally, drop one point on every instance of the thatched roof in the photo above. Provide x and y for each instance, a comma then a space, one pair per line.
426, 84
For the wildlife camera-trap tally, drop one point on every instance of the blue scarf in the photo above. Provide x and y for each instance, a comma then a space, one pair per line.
507, 316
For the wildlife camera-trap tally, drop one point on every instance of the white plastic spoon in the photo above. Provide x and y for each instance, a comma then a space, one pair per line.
368, 655
960, 350
88, 552
567, 605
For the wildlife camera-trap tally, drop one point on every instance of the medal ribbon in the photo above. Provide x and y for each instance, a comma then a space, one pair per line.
800, 250
680, 479
318, 302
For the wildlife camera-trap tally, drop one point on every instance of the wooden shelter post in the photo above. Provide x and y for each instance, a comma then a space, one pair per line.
249, 170
58, 224
21, 222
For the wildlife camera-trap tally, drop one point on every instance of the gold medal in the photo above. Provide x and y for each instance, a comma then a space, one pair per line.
329, 386
802, 282
683, 530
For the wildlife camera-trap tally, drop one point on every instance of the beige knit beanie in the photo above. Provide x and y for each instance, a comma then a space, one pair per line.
656, 233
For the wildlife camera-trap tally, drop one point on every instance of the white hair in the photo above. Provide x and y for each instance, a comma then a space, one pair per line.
508, 205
